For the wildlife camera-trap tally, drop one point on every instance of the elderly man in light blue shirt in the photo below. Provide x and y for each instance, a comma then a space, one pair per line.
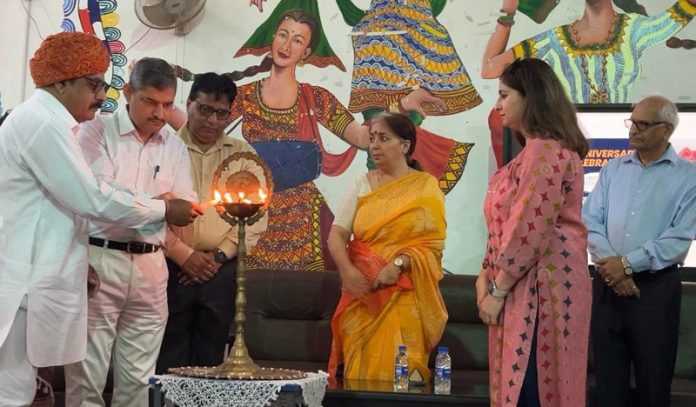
641, 219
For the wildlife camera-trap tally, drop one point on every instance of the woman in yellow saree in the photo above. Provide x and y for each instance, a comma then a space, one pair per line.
391, 268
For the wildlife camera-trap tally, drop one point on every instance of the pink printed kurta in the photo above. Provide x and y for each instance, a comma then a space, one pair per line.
536, 234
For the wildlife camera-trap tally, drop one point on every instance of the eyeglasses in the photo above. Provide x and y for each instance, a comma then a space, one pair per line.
641, 125
207, 110
96, 84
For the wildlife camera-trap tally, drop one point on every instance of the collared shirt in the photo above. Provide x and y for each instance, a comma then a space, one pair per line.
647, 214
47, 191
118, 157
209, 231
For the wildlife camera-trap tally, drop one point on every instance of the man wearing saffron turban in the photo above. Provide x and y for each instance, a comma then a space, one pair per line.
48, 194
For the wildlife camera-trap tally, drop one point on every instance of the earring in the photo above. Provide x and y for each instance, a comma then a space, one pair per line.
302, 62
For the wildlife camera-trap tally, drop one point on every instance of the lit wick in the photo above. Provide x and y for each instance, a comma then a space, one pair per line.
216, 200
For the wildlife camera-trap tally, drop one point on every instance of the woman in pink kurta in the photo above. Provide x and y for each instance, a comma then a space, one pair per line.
534, 288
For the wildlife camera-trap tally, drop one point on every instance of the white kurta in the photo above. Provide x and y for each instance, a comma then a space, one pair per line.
46, 189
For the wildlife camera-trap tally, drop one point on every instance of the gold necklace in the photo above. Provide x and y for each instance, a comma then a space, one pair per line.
598, 94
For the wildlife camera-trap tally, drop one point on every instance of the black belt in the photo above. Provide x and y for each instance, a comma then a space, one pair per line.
130, 247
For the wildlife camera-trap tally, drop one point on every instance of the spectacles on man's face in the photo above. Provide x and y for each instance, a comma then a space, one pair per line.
207, 110
641, 125
96, 84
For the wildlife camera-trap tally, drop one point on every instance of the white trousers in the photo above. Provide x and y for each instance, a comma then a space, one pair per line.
126, 321
17, 375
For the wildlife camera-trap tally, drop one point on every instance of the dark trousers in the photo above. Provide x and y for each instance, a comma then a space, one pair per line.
640, 331
199, 321
529, 395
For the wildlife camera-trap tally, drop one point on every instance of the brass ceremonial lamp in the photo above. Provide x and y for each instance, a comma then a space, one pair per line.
240, 213
241, 200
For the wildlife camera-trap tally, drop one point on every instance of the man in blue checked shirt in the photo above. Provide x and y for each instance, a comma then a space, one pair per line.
641, 219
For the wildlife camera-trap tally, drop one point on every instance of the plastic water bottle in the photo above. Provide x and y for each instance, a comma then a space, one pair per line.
443, 371
401, 370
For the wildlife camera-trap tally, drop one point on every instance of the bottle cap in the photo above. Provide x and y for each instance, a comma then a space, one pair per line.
442, 349
402, 348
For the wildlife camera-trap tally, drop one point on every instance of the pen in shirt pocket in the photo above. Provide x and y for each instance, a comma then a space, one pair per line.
157, 168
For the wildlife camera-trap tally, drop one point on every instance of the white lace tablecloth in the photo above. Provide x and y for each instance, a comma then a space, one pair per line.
195, 392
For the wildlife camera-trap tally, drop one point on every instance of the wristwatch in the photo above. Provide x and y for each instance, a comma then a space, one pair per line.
220, 256
494, 291
398, 262
628, 269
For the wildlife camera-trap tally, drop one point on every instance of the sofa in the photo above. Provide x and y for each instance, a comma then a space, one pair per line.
289, 322
288, 317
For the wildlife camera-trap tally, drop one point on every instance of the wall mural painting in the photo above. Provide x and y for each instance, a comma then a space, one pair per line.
390, 68
403, 59
596, 66
538, 10
288, 139
99, 17
260, 41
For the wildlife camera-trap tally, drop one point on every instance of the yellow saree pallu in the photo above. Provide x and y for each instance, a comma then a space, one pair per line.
406, 216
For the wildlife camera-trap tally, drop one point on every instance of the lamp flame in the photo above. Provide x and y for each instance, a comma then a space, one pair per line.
239, 197
216, 200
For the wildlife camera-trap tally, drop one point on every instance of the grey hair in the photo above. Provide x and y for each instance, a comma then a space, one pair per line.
152, 72
668, 112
